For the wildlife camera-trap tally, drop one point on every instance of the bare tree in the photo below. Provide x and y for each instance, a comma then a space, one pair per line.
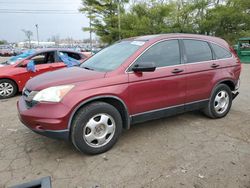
28, 34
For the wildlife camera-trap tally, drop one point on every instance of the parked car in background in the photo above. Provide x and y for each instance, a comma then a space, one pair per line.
132, 81
6, 50
15, 72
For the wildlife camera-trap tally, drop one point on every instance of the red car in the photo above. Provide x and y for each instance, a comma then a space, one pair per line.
14, 73
132, 81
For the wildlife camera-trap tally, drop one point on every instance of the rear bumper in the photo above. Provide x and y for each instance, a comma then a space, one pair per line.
50, 121
235, 94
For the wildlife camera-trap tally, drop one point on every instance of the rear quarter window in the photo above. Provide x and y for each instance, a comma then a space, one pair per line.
220, 52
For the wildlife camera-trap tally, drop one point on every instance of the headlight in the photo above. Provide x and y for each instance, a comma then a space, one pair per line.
53, 94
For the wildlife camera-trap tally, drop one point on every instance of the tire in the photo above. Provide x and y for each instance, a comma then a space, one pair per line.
96, 128
220, 102
8, 88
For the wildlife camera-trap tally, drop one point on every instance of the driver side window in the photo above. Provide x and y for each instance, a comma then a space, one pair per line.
163, 54
44, 58
39, 59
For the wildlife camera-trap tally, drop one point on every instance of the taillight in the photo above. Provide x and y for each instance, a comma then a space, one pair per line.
235, 55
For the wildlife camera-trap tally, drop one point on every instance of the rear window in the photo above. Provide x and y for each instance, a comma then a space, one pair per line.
197, 51
220, 53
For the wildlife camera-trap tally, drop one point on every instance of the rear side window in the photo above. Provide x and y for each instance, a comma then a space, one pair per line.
163, 54
197, 51
220, 53
73, 55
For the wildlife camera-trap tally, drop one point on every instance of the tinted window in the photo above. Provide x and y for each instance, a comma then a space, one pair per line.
162, 54
197, 51
220, 52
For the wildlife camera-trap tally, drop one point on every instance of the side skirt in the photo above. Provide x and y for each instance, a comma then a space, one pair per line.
166, 112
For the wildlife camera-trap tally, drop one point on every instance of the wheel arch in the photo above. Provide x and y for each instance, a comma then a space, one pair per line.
112, 100
230, 83
7, 78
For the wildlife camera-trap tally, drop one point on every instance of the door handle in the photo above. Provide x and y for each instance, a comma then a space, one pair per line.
215, 65
175, 71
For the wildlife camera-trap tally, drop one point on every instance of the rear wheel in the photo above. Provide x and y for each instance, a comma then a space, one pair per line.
8, 88
96, 128
220, 102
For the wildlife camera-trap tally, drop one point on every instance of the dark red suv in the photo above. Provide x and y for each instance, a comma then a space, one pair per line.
132, 81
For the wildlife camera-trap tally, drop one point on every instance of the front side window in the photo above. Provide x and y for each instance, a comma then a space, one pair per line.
39, 59
113, 56
220, 53
197, 51
163, 54
43, 58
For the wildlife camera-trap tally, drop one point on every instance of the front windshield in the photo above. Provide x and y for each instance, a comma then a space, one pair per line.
112, 57
21, 56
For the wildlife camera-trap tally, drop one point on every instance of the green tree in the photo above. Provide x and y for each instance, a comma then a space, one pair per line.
146, 18
229, 21
103, 15
3, 42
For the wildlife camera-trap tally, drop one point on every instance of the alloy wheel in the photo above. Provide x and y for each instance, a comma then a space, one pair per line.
221, 102
6, 89
99, 130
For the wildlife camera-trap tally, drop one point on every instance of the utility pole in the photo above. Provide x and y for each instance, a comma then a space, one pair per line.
90, 32
37, 34
119, 19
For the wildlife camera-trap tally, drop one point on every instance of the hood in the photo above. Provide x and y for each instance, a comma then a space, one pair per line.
62, 77
6, 69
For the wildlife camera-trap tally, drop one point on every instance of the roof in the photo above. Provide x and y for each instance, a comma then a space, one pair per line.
55, 49
179, 35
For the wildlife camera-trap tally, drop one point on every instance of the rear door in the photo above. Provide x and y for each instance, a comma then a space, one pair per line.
164, 88
201, 70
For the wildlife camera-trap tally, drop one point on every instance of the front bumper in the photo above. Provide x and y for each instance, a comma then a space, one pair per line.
50, 120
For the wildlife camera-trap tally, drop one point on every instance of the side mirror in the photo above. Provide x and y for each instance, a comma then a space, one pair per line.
144, 67
31, 66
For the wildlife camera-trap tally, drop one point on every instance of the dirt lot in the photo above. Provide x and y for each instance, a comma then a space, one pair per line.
188, 150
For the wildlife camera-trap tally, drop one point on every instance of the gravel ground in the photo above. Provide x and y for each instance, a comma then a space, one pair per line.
187, 150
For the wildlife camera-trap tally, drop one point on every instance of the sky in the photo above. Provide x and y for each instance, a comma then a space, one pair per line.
68, 22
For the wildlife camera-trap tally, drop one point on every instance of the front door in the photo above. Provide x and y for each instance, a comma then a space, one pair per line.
162, 92
43, 63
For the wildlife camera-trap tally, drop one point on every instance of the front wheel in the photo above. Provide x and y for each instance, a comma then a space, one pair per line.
8, 88
220, 102
96, 128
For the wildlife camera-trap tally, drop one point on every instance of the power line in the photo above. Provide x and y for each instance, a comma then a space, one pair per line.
41, 10
19, 12
39, 3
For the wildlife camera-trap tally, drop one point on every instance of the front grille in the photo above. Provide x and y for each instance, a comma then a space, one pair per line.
28, 97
